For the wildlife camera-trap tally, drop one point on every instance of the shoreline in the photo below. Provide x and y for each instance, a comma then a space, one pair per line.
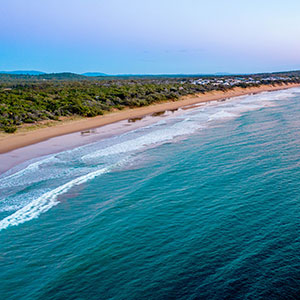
9, 142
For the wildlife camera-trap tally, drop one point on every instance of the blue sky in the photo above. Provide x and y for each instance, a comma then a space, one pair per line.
141, 36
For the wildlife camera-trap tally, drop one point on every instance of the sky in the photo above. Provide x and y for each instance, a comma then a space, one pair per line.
150, 37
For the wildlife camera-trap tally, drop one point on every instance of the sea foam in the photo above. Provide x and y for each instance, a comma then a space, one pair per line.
46, 201
33, 190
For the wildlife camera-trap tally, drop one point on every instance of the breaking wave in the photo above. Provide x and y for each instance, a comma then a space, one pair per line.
35, 188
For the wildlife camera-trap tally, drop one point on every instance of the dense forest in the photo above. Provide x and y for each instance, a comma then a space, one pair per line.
32, 98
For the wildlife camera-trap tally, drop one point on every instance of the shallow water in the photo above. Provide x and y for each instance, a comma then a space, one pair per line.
201, 205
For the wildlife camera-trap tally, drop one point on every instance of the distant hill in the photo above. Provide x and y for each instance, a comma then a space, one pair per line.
61, 76
51, 75
94, 74
7, 77
23, 72
289, 73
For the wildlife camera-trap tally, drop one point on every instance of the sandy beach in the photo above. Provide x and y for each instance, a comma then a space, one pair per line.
9, 142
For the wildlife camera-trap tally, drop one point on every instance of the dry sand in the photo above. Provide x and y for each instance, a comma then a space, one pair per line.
23, 138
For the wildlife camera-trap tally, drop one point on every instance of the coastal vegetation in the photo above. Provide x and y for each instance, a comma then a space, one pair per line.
33, 98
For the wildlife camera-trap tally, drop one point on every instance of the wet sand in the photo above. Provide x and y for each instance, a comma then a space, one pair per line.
9, 142
69, 141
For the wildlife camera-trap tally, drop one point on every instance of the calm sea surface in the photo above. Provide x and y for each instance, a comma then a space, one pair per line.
201, 205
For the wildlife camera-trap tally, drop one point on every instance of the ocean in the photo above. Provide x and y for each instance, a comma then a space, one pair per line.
204, 204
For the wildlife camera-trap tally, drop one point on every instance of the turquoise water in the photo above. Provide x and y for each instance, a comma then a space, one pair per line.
203, 205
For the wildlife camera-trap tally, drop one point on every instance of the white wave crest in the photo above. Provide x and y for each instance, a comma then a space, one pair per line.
14, 179
136, 140
222, 115
156, 137
46, 201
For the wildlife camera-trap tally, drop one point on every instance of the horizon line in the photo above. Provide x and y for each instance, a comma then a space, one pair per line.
19, 72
